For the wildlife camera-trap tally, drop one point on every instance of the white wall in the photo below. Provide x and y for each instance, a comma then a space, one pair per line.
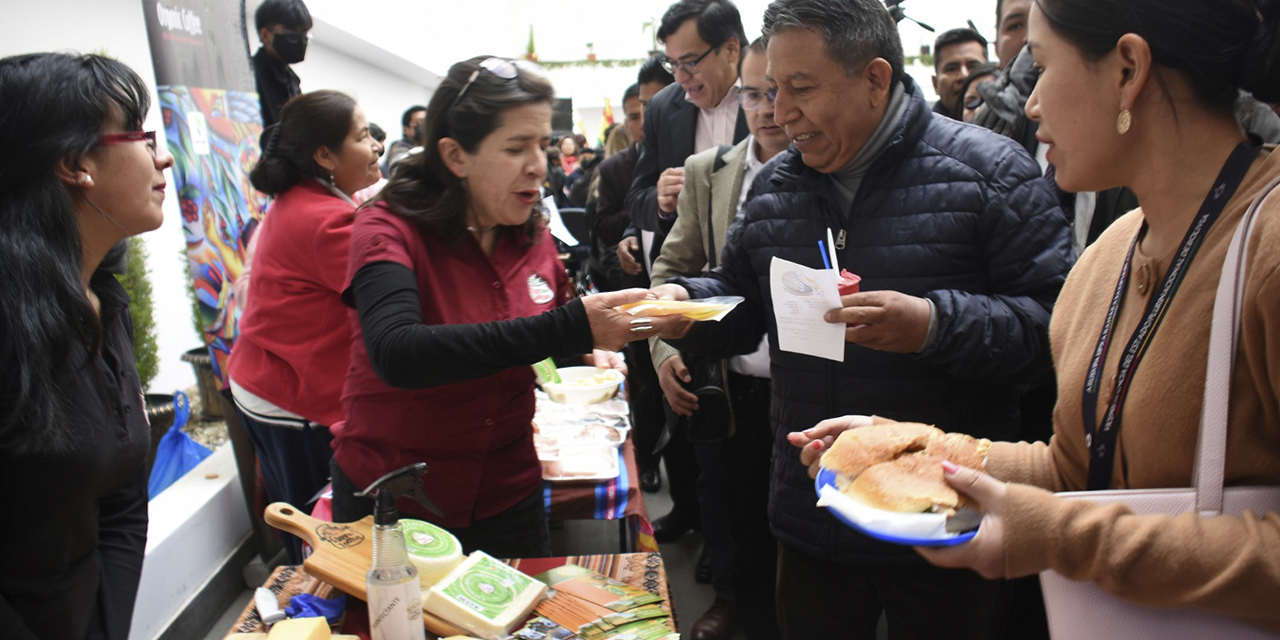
197, 524
382, 95
383, 83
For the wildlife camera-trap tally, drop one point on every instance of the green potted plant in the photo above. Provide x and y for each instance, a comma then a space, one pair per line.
137, 283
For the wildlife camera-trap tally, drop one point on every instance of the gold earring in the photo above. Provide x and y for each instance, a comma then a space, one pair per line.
1124, 122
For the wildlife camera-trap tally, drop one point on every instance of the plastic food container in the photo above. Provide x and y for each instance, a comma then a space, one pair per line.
584, 385
582, 463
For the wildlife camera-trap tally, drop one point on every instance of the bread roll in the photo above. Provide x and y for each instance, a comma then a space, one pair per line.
856, 450
897, 466
913, 483
962, 449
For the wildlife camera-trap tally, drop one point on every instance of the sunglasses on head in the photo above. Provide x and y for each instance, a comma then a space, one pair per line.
500, 67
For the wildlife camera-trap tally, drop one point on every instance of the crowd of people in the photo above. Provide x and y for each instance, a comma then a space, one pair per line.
399, 294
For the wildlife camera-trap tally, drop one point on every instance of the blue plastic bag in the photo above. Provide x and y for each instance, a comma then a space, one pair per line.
306, 605
177, 453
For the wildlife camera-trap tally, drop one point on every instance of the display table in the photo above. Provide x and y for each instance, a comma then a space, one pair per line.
643, 570
618, 499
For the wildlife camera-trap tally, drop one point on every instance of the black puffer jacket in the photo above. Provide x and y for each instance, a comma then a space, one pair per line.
950, 212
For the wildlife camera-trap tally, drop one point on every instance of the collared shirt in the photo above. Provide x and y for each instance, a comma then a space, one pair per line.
475, 436
750, 170
755, 363
716, 125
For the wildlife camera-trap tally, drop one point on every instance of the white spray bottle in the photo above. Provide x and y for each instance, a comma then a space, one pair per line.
393, 593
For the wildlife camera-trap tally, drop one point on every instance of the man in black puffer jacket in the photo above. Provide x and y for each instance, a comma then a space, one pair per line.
962, 250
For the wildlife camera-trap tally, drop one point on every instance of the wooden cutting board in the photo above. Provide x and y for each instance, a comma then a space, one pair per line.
341, 554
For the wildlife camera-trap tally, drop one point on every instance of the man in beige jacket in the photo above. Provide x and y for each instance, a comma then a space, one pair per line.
733, 486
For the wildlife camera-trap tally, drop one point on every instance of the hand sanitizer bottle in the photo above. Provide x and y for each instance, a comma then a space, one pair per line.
393, 593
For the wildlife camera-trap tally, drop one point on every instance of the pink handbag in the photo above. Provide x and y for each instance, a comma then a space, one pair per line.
1082, 609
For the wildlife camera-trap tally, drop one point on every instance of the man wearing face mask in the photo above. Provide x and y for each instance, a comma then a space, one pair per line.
282, 27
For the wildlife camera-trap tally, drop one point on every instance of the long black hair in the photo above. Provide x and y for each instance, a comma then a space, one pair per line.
307, 122
53, 108
422, 187
1221, 47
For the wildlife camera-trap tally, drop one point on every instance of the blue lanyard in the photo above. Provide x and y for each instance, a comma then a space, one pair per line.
1101, 439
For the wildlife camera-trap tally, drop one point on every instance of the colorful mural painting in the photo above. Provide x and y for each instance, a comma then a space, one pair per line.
213, 136
211, 125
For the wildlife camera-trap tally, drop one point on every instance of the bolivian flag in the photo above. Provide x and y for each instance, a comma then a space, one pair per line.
606, 119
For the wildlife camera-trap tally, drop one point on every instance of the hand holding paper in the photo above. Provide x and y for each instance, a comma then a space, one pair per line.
884, 320
801, 297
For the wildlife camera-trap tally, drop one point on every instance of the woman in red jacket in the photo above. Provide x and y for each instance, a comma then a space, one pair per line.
289, 362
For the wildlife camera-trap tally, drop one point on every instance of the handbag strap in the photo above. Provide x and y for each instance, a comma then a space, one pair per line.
1211, 451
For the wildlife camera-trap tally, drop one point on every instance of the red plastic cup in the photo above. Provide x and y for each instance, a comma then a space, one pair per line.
847, 283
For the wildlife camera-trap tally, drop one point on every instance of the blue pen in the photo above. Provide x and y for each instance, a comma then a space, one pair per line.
822, 248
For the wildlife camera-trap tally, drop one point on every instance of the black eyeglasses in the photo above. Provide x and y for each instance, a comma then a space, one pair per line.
148, 137
500, 67
973, 103
690, 68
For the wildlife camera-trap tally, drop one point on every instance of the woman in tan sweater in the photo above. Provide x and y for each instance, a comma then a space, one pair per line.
1158, 79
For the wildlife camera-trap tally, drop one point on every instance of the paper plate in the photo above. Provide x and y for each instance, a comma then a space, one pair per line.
916, 530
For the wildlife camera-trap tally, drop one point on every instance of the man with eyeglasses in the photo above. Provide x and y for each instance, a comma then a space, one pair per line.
736, 469
962, 250
282, 27
702, 42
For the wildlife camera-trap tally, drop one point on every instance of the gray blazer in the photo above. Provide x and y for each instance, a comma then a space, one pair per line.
706, 192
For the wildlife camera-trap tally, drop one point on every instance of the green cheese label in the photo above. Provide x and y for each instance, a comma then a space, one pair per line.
427, 540
488, 587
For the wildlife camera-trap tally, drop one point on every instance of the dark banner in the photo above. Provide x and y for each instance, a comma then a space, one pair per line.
212, 122
199, 44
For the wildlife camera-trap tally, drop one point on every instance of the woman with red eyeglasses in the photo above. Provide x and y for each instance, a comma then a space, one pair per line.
77, 178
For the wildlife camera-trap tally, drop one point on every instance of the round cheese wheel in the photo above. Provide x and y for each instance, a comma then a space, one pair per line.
434, 551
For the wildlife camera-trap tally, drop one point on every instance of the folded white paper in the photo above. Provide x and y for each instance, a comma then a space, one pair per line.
801, 296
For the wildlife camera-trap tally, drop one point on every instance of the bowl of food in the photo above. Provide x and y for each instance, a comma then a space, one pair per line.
583, 385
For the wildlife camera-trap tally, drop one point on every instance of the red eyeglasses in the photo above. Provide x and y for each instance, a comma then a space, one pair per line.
148, 137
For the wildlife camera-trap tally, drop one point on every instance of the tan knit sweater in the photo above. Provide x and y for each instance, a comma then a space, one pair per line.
1228, 565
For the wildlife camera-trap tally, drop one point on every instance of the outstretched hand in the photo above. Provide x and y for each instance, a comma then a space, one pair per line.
610, 328
985, 552
815, 440
671, 327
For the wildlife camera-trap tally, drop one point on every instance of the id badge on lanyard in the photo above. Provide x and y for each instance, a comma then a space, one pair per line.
1101, 438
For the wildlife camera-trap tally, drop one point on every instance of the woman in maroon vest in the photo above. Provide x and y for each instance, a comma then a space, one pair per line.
458, 288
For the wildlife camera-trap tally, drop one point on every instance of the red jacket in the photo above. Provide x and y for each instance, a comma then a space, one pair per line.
475, 436
294, 346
